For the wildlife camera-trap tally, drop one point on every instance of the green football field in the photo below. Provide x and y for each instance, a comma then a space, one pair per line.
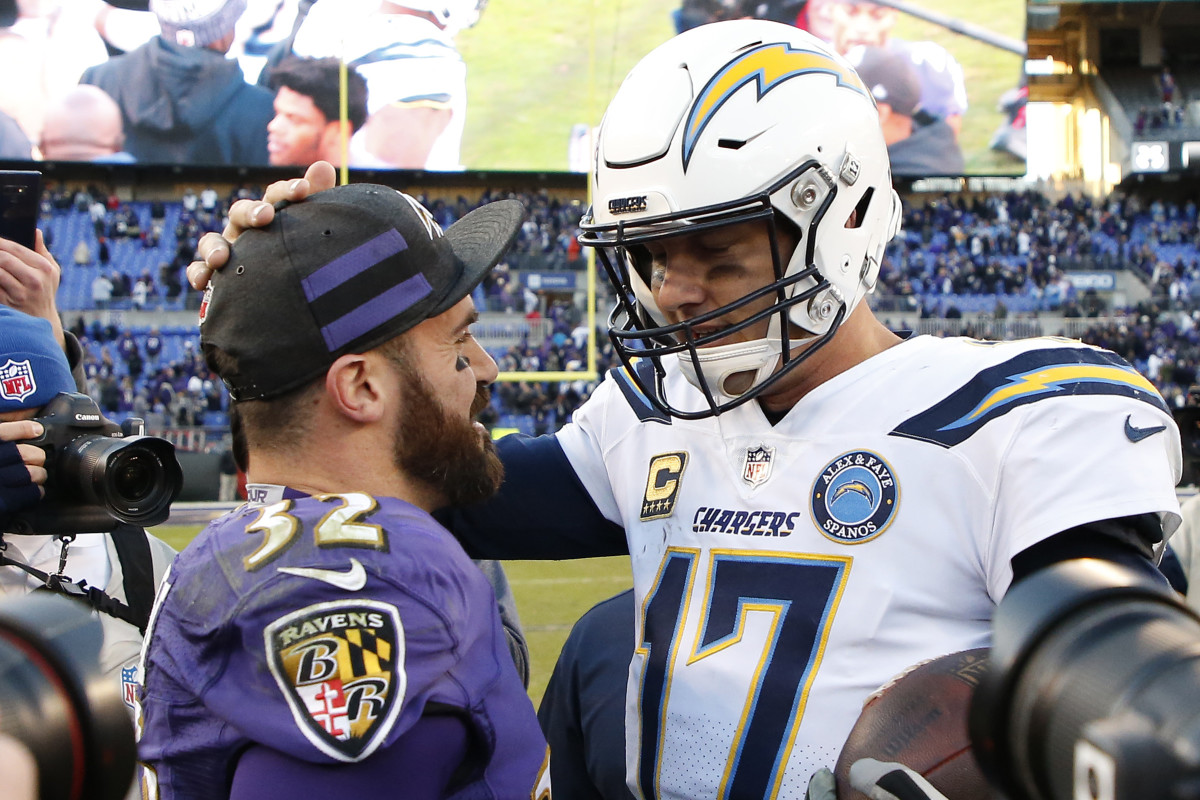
535, 68
551, 595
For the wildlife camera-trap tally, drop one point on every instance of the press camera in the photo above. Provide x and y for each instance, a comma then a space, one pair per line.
100, 473
1093, 688
56, 704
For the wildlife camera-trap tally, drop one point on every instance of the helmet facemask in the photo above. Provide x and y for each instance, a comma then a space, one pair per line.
805, 313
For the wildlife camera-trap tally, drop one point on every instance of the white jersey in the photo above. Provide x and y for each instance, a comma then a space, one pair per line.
784, 572
405, 60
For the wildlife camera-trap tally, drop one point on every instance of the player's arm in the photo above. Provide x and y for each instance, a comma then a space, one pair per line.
541, 511
402, 134
423, 761
1080, 481
1132, 541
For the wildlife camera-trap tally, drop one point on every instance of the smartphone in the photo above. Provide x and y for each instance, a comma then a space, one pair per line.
20, 203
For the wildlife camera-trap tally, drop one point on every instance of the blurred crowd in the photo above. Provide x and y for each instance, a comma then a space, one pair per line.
1022, 248
133, 255
1002, 253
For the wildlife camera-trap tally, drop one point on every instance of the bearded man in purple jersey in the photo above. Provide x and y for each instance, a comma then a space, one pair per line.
329, 637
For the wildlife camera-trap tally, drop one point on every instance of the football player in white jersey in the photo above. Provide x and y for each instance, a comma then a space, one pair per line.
416, 78
811, 502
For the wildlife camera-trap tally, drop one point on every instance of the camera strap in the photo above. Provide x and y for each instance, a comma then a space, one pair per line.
79, 590
137, 567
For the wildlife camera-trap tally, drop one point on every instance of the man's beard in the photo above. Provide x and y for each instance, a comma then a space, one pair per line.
444, 452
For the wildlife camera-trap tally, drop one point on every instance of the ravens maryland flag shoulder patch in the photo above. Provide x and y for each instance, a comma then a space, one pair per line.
340, 666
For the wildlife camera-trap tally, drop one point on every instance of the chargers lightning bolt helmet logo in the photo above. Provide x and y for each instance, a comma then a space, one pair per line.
767, 66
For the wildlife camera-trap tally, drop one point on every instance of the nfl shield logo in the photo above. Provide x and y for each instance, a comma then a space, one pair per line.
757, 467
129, 682
16, 380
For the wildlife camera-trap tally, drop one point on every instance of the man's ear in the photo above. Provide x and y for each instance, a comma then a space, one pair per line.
354, 386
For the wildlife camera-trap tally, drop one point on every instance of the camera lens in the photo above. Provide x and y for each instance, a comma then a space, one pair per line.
137, 478
1094, 671
133, 475
55, 701
134, 478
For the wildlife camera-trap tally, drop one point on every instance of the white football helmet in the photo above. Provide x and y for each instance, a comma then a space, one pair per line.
729, 122
454, 15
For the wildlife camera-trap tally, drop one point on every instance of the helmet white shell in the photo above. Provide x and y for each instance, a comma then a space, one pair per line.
739, 114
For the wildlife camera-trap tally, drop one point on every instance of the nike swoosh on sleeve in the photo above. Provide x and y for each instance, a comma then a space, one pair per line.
351, 580
1135, 434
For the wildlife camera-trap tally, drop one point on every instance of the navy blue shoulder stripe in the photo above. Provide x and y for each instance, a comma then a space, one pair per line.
1032, 376
425, 48
645, 409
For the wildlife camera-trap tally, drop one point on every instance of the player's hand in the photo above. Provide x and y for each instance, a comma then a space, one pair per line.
29, 281
878, 780
22, 468
883, 780
212, 251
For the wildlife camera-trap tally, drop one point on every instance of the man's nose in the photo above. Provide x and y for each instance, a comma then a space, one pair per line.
676, 289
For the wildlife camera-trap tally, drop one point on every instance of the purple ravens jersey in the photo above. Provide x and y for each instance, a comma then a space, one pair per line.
324, 627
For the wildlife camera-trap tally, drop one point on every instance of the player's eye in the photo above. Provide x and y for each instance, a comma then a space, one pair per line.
658, 274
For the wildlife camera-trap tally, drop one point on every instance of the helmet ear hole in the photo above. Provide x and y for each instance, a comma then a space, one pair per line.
860, 210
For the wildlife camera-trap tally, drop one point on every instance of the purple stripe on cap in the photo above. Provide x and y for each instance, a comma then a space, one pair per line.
357, 261
373, 313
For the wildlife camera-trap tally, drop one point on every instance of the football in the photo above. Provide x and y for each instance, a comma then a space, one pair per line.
919, 719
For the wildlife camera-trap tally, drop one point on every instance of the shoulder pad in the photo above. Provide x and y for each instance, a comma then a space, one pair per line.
1029, 377
635, 385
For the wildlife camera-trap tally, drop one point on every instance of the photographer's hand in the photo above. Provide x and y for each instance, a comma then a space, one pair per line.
22, 468
213, 249
29, 281
878, 780
881, 780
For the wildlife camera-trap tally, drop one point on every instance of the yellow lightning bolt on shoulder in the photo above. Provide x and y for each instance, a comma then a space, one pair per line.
1051, 378
768, 66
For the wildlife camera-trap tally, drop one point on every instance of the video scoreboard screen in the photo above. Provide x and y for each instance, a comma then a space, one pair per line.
510, 85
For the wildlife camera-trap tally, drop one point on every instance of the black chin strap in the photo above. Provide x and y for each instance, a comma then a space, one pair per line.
78, 590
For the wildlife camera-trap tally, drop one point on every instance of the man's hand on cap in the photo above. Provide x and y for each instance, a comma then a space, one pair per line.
212, 251
29, 281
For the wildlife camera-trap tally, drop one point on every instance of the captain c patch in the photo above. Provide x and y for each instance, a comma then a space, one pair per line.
340, 666
854, 498
662, 485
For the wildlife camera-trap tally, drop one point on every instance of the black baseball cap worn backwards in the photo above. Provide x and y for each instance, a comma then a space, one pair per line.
342, 272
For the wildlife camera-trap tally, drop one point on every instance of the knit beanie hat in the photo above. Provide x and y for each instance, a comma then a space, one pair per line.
197, 23
33, 368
